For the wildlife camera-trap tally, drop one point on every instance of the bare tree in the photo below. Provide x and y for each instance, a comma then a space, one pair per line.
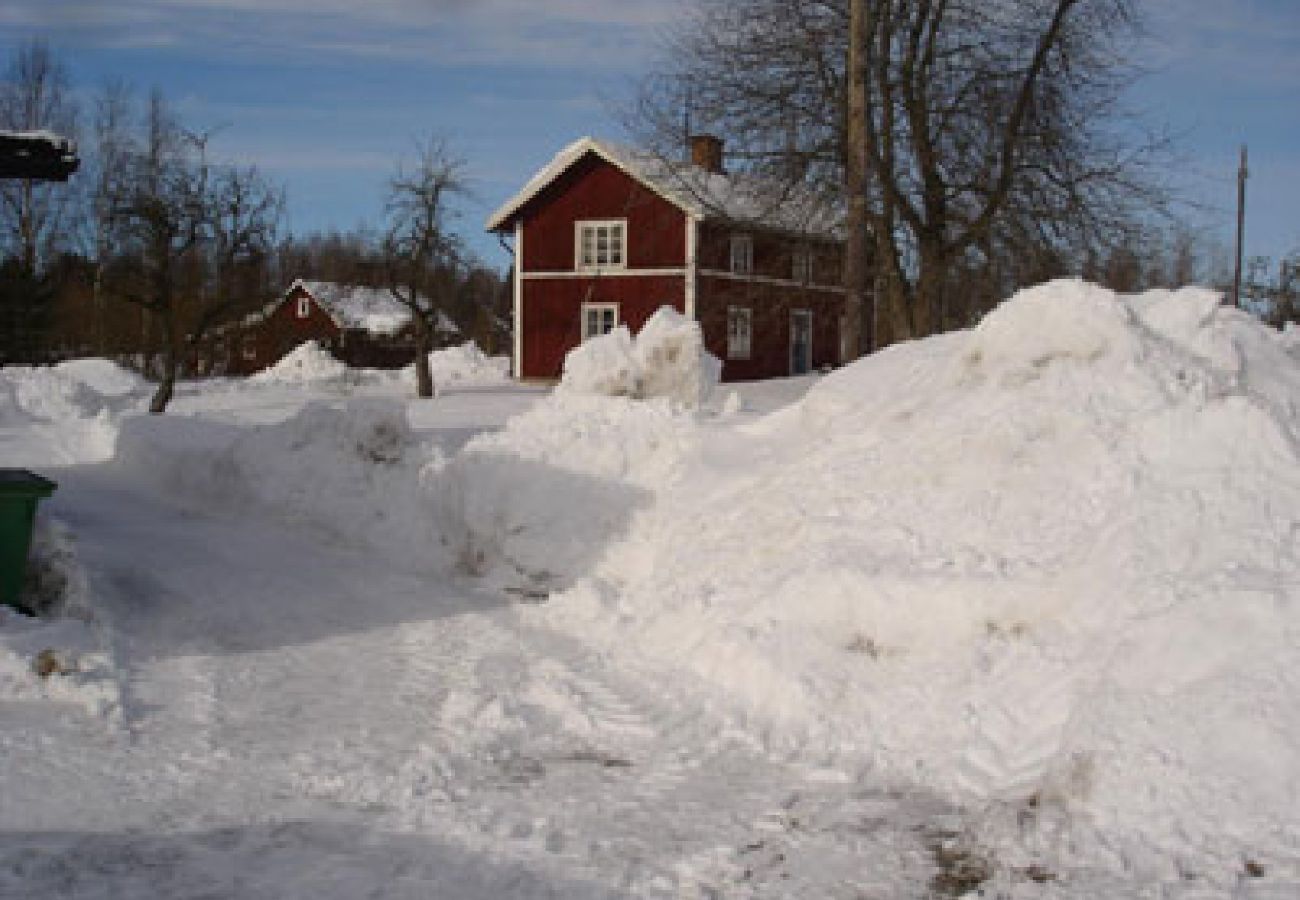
35, 217
187, 230
422, 254
985, 131
113, 144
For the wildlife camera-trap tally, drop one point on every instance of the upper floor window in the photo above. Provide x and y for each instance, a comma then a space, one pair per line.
304, 307
742, 254
602, 244
801, 266
598, 319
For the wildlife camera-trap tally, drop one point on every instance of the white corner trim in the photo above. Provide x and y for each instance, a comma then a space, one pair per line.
692, 265
519, 300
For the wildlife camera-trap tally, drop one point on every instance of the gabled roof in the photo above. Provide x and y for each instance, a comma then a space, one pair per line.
373, 310
743, 198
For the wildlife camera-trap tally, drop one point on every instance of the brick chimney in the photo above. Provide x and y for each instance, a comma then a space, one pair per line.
706, 152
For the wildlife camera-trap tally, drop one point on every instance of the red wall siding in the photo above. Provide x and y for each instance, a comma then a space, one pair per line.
553, 309
773, 253
593, 189
770, 342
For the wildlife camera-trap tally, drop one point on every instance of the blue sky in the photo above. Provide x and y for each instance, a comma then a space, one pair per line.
326, 95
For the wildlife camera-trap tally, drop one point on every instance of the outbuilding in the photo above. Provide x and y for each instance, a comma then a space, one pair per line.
364, 327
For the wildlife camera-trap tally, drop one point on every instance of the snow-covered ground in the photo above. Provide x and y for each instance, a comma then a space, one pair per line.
1010, 611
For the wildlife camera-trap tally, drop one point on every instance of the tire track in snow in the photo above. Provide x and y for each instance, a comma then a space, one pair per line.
1017, 725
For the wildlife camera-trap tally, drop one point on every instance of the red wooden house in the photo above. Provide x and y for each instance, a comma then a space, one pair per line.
361, 326
605, 235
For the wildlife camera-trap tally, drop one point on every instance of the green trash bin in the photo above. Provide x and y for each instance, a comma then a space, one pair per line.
20, 491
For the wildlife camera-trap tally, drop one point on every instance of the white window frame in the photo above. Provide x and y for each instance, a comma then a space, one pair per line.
304, 307
742, 254
592, 262
588, 308
740, 346
801, 265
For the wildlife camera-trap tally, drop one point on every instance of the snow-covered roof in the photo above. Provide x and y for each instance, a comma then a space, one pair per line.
762, 202
369, 309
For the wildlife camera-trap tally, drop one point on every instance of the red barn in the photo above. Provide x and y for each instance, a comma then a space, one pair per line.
605, 235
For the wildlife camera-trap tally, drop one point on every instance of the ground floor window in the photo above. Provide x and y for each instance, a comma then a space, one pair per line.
598, 318
250, 348
740, 330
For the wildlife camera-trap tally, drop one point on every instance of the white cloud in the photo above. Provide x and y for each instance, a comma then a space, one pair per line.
1246, 41
439, 32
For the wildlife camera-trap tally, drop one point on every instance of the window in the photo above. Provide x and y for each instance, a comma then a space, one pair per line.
602, 245
250, 348
742, 254
740, 328
801, 268
304, 307
598, 318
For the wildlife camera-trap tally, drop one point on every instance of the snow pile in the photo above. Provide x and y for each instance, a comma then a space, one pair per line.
306, 363
67, 412
77, 389
1050, 566
355, 473
463, 365
539, 502
666, 359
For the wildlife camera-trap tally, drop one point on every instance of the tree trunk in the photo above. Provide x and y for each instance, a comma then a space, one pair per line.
170, 368
423, 344
855, 187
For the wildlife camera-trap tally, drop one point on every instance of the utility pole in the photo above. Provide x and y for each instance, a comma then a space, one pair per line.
855, 184
1241, 228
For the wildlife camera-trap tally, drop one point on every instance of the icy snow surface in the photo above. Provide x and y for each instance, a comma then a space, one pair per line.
1015, 605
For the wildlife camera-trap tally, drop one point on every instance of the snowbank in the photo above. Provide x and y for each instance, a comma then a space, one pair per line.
304, 364
538, 502
68, 412
77, 389
1049, 565
666, 359
462, 365
355, 472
